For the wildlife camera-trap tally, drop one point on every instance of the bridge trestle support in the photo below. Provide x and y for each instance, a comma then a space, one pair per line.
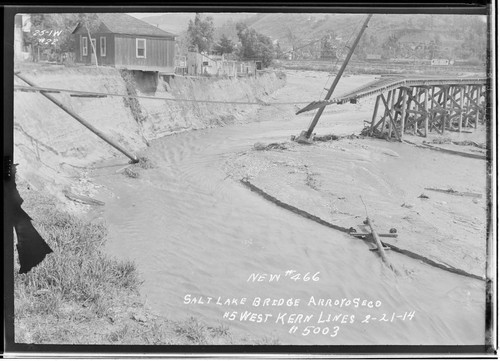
424, 109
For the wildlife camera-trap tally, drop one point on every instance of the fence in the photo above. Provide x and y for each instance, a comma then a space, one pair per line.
215, 65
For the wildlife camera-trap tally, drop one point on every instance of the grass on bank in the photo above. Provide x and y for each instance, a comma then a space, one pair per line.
81, 295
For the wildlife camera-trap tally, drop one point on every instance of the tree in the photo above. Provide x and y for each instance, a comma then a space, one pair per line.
225, 45
391, 45
293, 41
279, 52
254, 45
51, 33
363, 47
201, 33
328, 48
91, 23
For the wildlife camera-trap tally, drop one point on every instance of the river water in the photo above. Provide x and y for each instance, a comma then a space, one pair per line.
195, 233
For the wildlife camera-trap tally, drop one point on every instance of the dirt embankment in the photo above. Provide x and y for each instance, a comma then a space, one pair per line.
53, 149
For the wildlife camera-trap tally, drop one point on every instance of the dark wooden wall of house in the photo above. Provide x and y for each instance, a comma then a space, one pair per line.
160, 53
121, 52
109, 59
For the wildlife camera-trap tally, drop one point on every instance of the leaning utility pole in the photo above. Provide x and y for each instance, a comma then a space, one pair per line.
82, 121
339, 75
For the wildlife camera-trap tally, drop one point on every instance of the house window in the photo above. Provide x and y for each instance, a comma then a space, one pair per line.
140, 48
102, 43
85, 46
93, 45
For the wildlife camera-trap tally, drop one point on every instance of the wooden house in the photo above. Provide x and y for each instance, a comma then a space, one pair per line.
125, 42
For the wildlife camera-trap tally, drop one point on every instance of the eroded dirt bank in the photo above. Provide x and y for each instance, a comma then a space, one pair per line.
54, 150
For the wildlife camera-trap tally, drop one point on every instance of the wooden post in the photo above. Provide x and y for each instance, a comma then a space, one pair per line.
445, 112
403, 111
461, 115
83, 121
415, 94
482, 110
478, 92
380, 246
468, 106
426, 109
451, 95
386, 110
431, 114
391, 111
374, 117
397, 110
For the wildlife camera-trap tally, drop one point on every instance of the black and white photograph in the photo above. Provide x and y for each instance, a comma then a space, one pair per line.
245, 178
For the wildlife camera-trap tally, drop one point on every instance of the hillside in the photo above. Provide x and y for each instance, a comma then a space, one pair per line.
389, 35
177, 23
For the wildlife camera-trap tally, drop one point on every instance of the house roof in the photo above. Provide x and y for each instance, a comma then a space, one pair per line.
119, 23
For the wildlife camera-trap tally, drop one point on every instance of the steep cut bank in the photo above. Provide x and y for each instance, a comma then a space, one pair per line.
54, 150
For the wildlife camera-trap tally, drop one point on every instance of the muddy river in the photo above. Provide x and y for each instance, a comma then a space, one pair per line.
207, 247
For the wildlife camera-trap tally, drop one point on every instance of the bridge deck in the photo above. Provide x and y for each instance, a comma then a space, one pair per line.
383, 85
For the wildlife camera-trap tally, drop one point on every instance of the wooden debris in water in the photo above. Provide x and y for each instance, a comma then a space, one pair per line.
88, 96
82, 199
131, 173
145, 163
380, 247
263, 146
363, 235
325, 138
456, 193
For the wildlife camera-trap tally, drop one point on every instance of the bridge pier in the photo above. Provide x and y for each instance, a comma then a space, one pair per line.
423, 109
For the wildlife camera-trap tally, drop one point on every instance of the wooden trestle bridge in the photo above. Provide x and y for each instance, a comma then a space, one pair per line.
419, 105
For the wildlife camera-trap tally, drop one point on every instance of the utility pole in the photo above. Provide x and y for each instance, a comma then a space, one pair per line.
82, 121
339, 75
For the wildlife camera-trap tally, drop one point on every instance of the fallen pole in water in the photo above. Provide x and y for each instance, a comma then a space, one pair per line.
83, 122
449, 151
380, 247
